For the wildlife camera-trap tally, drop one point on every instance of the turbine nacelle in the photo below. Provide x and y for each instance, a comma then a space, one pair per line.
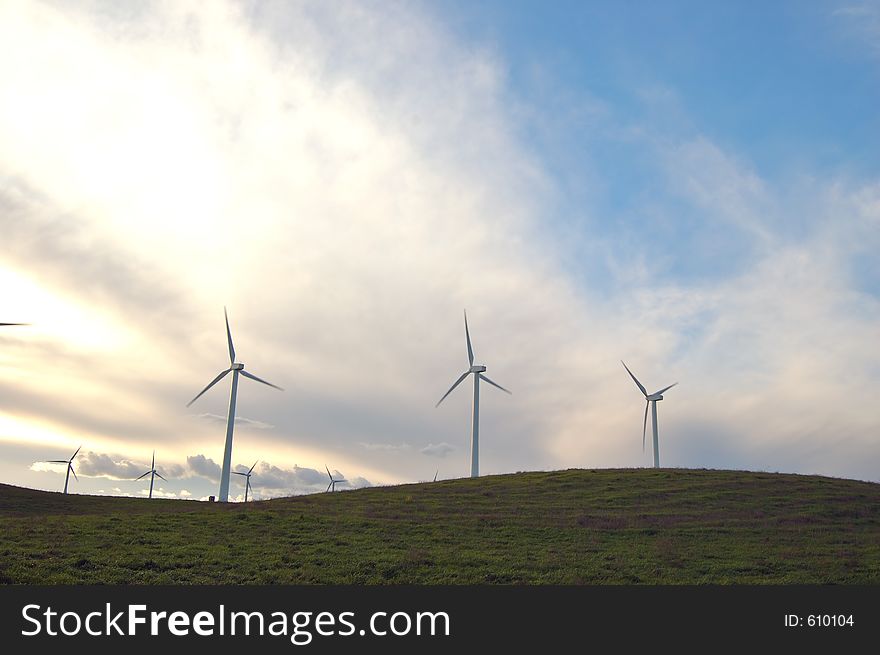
654, 396
477, 369
236, 367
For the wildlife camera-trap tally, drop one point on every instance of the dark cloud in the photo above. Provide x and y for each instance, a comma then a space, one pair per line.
269, 480
101, 465
94, 464
298, 480
203, 467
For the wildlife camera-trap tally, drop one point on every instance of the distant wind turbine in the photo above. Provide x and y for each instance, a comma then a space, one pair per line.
650, 399
235, 368
153, 473
70, 470
436, 474
478, 375
333, 481
247, 476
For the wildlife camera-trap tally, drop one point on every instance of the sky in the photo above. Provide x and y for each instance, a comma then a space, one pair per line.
688, 187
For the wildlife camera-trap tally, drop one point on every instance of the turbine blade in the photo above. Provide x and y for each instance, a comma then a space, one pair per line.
229, 338
457, 382
9, 324
494, 384
237, 473
436, 474
665, 388
57, 461
142, 476
153, 466
328, 487
213, 382
72, 471
159, 475
638, 384
76, 453
251, 470
467, 335
254, 377
328, 471
645, 424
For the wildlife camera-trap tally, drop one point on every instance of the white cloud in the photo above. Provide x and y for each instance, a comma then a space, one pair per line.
720, 187
862, 20
47, 466
239, 421
158, 492
437, 450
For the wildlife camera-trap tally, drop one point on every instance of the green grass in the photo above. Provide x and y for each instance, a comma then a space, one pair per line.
663, 526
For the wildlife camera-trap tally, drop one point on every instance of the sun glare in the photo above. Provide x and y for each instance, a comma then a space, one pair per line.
55, 318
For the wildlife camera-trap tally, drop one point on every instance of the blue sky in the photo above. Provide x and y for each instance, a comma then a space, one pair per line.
790, 89
790, 84
692, 187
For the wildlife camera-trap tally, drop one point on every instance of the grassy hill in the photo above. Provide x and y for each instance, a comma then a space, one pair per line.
640, 526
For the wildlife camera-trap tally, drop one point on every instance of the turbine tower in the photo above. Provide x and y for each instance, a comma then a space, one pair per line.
333, 481
478, 375
650, 399
70, 470
153, 473
235, 368
247, 476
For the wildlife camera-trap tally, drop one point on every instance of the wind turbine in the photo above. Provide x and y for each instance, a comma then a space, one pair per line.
235, 368
436, 474
333, 481
153, 473
247, 476
70, 470
478, 375
650, 399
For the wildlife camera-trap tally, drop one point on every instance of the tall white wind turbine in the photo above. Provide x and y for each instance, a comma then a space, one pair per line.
153, 473
235, 368
650, 399
247, 476
70, 470
478, 371
333, 481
